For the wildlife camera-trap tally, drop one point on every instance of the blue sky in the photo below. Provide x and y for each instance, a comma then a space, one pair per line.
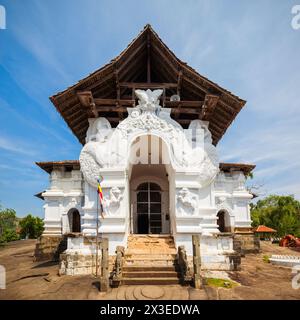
248, 47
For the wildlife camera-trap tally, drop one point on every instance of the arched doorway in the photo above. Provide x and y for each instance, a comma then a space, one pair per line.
221, 220
74, 220
149, 171
149, 208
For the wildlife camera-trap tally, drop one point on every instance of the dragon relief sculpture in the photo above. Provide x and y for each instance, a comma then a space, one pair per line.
112, 203
108, 148
186, 202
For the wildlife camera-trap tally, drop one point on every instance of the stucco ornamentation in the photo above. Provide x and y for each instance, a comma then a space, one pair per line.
186, 202
112, 203
224, 203
108, 148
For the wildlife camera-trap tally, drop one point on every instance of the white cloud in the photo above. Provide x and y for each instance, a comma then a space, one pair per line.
15, 147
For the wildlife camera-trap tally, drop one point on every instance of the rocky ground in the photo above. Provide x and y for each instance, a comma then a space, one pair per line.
35, 280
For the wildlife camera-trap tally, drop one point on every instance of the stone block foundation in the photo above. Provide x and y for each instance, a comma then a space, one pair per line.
49, 248
80, 257
249, 242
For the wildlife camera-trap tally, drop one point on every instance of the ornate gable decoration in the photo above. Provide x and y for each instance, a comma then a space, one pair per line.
188, 150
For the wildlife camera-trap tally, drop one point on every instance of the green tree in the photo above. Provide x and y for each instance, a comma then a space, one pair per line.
31, 227
9, 235
8, 224
278, 212
8, 219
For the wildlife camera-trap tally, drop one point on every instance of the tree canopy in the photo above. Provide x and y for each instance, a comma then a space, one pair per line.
13, 228
31, 227
8, 225
281, 213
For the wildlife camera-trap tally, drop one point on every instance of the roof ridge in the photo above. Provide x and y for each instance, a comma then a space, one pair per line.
148, 28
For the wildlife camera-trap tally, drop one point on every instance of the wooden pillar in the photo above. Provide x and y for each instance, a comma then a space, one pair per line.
104, 279
197, 261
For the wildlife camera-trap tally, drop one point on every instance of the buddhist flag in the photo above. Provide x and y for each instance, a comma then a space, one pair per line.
100, 194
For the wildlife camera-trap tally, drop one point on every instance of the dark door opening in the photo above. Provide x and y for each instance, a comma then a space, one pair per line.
149, 208
74, 220
143, 223
221, 221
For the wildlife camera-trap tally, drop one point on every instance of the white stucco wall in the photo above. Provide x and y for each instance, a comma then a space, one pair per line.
197, 190
64, 193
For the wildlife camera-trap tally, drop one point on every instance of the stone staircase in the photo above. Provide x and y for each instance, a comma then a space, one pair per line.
150, 260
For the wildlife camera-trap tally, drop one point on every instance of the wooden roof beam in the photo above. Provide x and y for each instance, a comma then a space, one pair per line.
133, 67
165, 58
87, 100
206, 92
135, 73
179, 82
184, 110
122, 102
210, 103
82, 131
163, 69
113, 102
146, 85
99, 81
148, 58
191, 104
132, 55
118, 89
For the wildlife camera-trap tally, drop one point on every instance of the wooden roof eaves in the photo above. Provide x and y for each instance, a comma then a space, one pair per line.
174, 63
67, 93
184, 66
245, 167
181, 65
47, 165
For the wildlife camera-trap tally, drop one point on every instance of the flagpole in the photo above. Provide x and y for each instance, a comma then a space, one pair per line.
97, 233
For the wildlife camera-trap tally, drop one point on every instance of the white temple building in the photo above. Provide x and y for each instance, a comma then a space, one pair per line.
149, 125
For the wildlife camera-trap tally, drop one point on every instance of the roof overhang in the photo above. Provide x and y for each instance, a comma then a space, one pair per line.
48, 166
147, 63
231, 167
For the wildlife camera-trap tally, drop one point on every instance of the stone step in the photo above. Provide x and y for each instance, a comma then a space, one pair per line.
150, 236
149, 262
151, 249
150, 281
152, 256
151, 268
150, 239
165, 241
150, 274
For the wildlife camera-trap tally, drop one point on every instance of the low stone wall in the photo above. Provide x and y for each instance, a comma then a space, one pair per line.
74, 263
285, 260
249, 242
49, 248
218, 252
80, 257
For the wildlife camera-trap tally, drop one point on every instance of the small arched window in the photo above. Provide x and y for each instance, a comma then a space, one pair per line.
74, 220
221, 220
